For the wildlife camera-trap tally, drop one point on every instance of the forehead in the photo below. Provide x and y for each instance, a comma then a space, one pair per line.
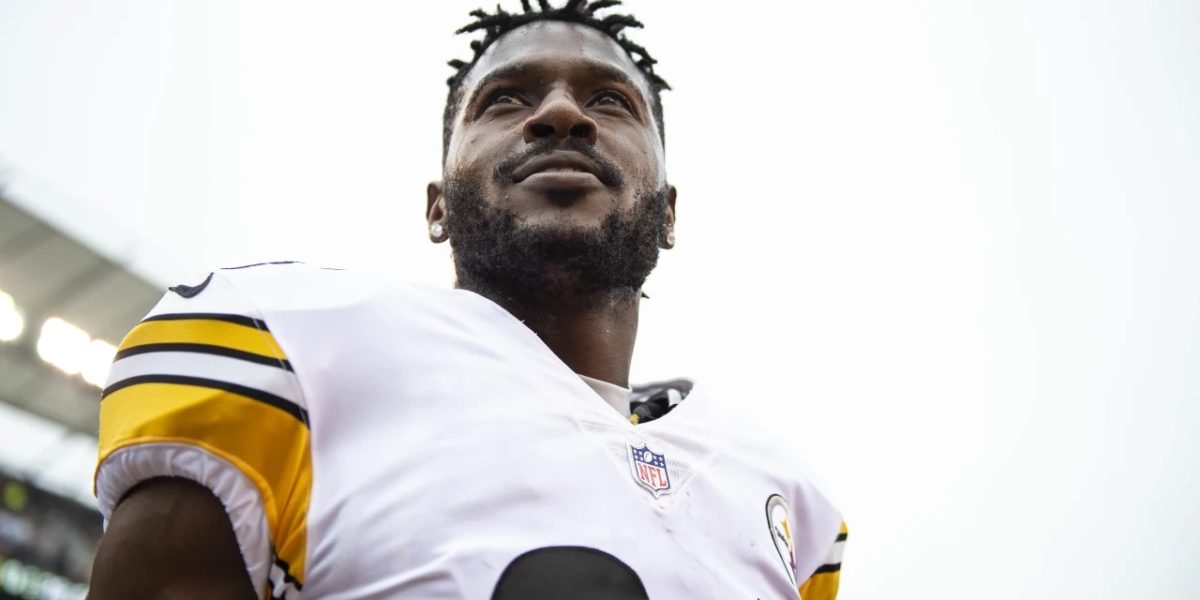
553, 43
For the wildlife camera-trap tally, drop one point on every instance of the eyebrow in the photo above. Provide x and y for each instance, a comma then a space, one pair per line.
526, 69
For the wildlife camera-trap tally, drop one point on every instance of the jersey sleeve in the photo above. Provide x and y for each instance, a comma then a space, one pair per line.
200, 389
823, 583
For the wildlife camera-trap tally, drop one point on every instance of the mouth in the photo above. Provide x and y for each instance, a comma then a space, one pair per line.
564, 165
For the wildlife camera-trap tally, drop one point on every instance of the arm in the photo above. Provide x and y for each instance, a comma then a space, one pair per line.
169, 538
200, 390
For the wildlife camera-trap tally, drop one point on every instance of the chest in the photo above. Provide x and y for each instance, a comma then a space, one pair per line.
447, 511
469, 463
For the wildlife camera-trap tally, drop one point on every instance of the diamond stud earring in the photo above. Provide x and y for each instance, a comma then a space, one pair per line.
436, 230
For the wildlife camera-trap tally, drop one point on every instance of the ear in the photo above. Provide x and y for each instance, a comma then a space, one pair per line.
668, 235
435, 212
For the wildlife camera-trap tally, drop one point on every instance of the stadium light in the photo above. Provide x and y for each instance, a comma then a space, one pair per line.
63, 345
97, 362
11, 321
72, 350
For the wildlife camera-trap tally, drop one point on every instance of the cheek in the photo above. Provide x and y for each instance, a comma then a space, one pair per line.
472, 152
641, 157
655, 174
656, 159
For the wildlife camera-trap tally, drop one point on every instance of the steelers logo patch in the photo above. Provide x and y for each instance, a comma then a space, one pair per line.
779, 522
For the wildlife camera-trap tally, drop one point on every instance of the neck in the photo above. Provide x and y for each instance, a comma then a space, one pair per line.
593, 336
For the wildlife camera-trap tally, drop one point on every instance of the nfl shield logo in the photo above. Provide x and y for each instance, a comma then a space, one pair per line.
650, 470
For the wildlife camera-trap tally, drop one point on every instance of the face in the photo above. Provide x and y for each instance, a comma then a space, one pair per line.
554, 141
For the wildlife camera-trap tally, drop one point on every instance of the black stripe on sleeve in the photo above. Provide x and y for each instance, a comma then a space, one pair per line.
226, 317
287, 571
283, 404
270, 361
834, 568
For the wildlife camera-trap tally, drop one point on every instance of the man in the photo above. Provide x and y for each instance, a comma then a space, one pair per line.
284, 431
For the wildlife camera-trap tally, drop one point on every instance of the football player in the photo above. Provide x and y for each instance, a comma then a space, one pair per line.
286, 431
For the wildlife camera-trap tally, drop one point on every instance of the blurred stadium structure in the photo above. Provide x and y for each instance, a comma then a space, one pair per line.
63, 309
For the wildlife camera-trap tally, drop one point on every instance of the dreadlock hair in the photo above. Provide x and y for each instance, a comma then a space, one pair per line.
583, 12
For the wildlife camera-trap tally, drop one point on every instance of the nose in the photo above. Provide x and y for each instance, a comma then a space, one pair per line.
559, 117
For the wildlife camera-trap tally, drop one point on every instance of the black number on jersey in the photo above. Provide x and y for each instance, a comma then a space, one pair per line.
568, 573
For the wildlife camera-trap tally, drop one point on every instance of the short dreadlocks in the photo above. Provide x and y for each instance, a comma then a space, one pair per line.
583, 12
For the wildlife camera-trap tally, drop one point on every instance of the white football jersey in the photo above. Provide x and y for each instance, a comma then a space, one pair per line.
378, 440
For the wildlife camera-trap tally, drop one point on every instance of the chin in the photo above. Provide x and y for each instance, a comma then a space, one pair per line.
563, 224
548, 209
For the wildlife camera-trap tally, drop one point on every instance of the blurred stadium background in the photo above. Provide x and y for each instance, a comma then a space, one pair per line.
63, 308
978, 288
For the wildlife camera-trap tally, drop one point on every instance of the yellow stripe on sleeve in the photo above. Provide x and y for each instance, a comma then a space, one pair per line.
267, 444
204, 331
822, 586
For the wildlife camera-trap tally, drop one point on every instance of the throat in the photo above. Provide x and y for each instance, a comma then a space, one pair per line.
594, 338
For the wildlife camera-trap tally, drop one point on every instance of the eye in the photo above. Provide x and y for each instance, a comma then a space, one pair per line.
612, 98
505, 97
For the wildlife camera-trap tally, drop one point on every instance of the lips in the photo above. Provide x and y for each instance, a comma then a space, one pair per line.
558, 161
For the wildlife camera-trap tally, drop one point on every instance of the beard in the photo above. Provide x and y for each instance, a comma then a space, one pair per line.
497, 255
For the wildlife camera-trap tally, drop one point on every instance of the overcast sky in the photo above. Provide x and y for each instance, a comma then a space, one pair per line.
950, 248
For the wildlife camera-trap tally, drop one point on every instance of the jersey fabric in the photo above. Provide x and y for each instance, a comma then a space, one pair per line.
381, 440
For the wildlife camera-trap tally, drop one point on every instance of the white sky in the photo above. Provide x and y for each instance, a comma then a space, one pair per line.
950, 248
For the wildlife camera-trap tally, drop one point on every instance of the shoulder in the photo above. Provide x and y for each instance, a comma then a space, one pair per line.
780, 457
802, 498
281, 285
292, 286
743, 432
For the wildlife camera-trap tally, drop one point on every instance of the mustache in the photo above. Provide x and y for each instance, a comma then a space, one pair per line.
610, 174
